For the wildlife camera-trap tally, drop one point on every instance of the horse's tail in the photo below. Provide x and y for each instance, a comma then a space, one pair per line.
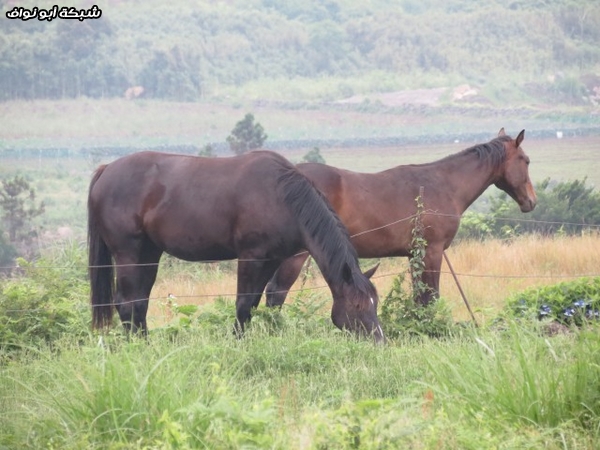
102, 280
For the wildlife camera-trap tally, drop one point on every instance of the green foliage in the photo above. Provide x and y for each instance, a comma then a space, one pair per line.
303, 314
525, 379
41, 305
215, 318
314, 156
368, 424
7, 254
569, 89
293, 390
246, 135
418, 249
19, 208
401, 316
566, 207
570, 302
172, 75
207, 151
400, 313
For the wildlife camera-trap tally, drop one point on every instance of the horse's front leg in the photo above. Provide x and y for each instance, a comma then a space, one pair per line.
252, 279
430, 277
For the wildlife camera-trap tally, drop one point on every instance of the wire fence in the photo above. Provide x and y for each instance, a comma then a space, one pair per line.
583, 226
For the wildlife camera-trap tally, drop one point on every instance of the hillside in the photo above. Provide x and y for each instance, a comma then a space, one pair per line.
543, 54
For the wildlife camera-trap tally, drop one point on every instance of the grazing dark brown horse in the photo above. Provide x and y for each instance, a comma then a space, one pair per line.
377, 208
256, 207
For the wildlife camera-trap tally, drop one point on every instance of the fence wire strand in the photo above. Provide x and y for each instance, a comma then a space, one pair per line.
395, 222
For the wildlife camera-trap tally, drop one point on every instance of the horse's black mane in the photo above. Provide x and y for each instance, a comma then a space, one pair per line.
322, 224
492, 151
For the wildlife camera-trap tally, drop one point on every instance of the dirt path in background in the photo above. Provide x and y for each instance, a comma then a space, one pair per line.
429, 97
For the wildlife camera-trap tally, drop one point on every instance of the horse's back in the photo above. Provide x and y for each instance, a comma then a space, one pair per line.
142, 173
191, 207
368, 205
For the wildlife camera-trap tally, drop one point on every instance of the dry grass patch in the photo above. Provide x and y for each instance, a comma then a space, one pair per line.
489, 272
493, 270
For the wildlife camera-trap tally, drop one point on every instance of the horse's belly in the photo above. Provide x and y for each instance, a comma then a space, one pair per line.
191, 238
379, 240
211, 253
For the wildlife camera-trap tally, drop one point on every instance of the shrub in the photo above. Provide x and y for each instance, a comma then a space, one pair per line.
570, 302
40, 305
401, 316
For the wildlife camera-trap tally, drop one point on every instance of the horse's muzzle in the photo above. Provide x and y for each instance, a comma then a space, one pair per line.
528, 205
378, 335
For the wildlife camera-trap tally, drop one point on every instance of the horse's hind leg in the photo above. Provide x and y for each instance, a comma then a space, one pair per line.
135, 278
430, 276
284, 278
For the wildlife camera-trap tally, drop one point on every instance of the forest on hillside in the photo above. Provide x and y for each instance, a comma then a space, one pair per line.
188, 51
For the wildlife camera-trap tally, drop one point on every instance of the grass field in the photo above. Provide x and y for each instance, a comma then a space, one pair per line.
117, 120
92, 123
296, 382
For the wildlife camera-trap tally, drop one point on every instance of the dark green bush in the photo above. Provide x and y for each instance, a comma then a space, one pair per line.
569, 302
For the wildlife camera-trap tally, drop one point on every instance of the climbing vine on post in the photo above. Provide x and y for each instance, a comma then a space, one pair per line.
418, 249
400, 314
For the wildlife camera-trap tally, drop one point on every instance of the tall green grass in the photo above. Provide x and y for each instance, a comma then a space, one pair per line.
523, 378
292, 386
293, 382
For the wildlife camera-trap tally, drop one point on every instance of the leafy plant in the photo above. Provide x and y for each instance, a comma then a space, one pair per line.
207, 151
400, 313
401, 316
570, 302
40, 306
366, 424
566, 207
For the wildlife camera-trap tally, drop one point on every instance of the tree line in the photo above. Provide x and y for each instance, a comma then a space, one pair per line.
187, 51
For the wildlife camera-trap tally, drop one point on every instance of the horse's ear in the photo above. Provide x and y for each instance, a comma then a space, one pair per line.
369, 273
520, 137
347, 273
501, 132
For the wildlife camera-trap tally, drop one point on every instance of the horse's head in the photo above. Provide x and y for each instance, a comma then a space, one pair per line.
355, 304
514, 177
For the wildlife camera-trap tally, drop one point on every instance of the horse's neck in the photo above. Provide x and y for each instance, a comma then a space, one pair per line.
467, 177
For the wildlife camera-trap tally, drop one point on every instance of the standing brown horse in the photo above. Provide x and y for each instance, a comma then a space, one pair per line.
256, 207
377, 208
